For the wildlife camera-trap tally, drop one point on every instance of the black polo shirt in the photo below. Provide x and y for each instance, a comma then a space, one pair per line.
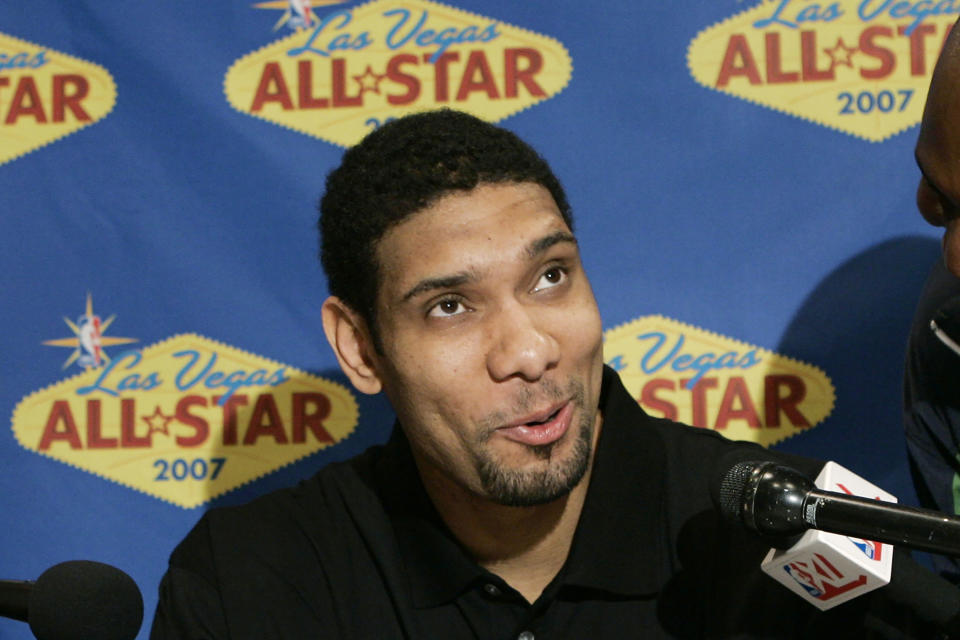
358, 552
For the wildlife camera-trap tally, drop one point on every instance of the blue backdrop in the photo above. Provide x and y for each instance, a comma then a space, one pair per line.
168, 210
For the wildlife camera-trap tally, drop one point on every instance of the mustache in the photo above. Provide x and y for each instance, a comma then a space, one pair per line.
527, 400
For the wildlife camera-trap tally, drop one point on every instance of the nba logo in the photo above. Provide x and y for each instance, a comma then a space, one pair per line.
89, 341
869, 548
820, 578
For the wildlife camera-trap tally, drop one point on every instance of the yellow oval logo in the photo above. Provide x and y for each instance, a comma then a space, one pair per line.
356, 68
684, 373
46, 95
186, 419
859, 66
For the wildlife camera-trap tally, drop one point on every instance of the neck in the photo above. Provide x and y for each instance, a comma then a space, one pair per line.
526, 546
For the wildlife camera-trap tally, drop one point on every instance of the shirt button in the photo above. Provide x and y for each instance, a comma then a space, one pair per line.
492, 591
525, 635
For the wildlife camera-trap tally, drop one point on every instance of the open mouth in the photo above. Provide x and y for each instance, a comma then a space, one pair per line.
535, 423
539, 432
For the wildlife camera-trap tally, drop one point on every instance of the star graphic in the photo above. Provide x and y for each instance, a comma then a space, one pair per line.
296, 13
841, 54
76, 342
369, 81
158, 421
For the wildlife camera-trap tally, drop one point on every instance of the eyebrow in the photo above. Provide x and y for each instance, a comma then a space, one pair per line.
540, 245
531, 251
431, 284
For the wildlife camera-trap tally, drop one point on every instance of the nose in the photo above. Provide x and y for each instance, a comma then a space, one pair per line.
521, 345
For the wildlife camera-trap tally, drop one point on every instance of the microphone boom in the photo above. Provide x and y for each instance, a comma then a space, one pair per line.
776, 500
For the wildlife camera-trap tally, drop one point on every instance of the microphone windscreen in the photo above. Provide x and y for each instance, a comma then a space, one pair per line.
85, 600
728, 492
728, 483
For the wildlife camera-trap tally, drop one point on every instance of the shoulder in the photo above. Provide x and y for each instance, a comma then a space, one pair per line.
686, 462
305, 549
696, 444
685, 450
280, 525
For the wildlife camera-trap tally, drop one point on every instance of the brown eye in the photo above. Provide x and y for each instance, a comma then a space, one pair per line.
447, 307
551, 278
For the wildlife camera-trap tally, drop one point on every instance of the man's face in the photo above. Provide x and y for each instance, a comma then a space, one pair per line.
492, 343
938, 155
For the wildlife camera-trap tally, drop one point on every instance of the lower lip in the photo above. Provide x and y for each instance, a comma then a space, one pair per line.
541, 434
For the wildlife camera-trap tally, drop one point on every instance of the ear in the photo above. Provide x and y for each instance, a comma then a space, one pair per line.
350, 338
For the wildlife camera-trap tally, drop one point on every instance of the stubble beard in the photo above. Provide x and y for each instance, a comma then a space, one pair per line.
527, 488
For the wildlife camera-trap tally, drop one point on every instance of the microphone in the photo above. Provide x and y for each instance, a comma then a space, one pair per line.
76, 600
828, 568
825, 569
776, 500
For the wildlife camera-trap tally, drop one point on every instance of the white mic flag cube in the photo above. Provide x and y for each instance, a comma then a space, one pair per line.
828, 569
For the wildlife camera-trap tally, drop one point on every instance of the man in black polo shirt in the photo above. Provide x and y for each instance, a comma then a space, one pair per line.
524, 494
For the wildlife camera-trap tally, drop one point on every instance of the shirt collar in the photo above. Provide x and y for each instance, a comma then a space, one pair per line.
438, 568
618, 546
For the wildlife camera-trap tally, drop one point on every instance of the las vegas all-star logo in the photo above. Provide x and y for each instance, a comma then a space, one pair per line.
185, 419
347, 69
46, 95
859, 66
682, 372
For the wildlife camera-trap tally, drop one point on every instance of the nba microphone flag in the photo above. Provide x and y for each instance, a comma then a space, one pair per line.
828, 569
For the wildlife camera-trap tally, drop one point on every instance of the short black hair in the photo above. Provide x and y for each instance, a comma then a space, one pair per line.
403, 167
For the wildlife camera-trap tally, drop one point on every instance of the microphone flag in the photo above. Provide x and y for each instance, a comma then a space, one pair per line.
828, 569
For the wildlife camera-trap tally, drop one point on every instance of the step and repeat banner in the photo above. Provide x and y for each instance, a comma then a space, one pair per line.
741, 173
